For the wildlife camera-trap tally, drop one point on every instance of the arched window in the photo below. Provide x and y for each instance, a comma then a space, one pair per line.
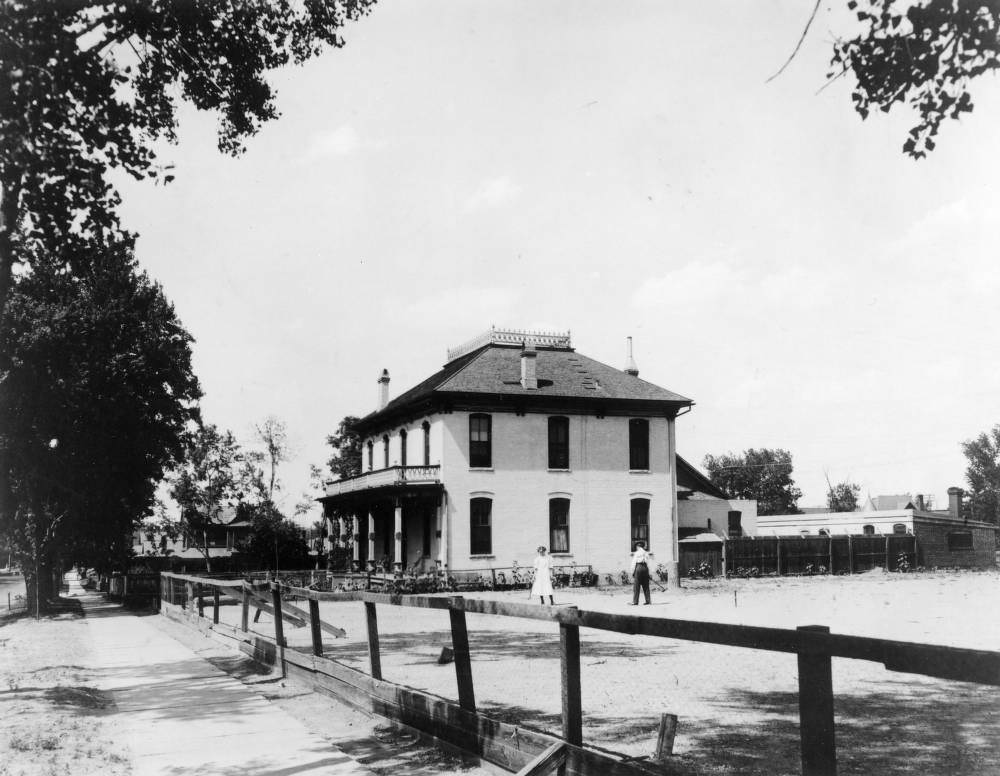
481, 526
385, 451
638, 444
640, 523
402, 447
427, 442
868, 530
899, 529
480, 441
558, 525
558, 443
371, 455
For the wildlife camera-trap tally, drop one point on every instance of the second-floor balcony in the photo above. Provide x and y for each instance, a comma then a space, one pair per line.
393, 477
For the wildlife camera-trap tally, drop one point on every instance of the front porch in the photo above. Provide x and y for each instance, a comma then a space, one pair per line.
397, 516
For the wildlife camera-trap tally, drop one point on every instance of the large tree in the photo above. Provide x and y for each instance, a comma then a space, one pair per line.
206, 484
764, 475
982, 474
346, 443
88, 87
100, 391
924, 54
842, 497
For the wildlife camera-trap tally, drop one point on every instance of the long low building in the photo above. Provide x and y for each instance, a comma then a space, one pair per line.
944, 538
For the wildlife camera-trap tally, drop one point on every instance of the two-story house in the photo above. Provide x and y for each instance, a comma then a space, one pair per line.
518, 441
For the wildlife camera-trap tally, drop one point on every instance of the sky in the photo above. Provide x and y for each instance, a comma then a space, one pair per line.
613, 170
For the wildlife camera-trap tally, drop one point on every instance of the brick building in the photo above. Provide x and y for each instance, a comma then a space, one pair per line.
517, 441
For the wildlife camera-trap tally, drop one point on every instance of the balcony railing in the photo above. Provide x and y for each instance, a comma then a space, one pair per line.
394, 475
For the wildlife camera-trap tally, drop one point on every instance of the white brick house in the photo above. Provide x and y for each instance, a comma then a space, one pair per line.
517, 441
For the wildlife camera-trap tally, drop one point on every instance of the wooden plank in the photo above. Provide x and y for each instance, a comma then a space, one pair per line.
215, 604
279, 627
572, 714
245, 613
314, 621
547, 762
374, 655
463, 660
816, 724
665, 739
236, 583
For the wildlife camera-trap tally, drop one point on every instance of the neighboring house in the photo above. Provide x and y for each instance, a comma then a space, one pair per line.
944, 537
220, 539
704, 508
518, 441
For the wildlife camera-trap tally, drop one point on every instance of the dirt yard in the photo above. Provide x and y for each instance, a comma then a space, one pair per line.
53, 717
738, 707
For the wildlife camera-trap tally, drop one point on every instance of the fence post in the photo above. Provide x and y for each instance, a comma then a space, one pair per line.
887, 552
463, 662
279, 626
317, 636
201, 601
830, 566
215, 605
245, 615
850, 555
188, 595
777, 555
816, 728
373, 651
569, 653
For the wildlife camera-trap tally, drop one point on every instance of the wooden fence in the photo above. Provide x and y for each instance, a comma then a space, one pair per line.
814, 645
818, 554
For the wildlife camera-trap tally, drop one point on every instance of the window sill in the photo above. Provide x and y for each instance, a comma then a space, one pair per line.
561, 471
639, 471
560, 554
482, 557
481, 469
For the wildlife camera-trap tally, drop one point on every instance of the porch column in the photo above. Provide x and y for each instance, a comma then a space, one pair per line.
397, 552
673, 564
442, 532
371, 540
356, 532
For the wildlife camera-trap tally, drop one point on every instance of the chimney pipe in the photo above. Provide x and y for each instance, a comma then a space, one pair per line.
920, 502
955, 502
529, 376
630, 367
383, 389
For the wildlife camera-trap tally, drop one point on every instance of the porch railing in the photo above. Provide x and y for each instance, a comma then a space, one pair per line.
394, 475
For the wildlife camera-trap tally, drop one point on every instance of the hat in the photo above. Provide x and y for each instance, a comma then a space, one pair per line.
541, 548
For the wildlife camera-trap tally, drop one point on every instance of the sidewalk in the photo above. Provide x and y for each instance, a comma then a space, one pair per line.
180, 715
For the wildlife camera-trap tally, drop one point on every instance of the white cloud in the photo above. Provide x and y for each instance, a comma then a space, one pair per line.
342, 141
493, 193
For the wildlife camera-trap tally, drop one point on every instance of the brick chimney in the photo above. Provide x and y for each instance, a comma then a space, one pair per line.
383, 389
529, 377
955, 502
630, 367
919, 502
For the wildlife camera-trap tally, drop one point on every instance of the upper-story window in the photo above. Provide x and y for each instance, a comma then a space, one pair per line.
559, 443
385, 451
558, 525
638, 444
371, 455
402, 447
480, 526
480, 441
427, 443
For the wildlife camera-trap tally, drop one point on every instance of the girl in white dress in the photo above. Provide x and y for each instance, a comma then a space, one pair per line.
542, 586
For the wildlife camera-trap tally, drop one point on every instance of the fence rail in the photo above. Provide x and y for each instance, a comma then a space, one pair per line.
815, 647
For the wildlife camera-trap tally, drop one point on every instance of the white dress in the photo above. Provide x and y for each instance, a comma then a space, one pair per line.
542, 585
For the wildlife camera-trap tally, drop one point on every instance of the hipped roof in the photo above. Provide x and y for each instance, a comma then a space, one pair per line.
562, 373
